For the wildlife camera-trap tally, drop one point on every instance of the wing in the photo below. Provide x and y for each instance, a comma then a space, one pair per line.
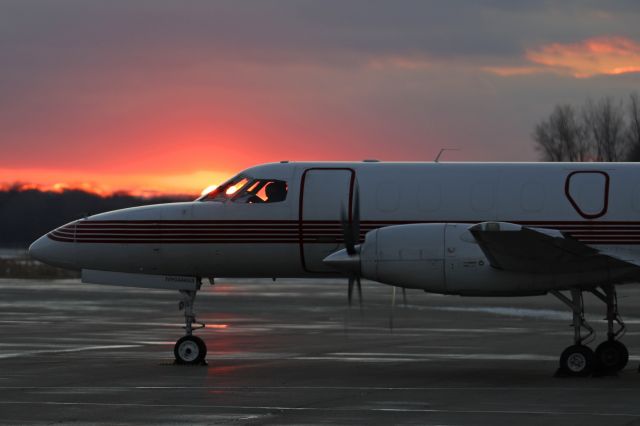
518, 248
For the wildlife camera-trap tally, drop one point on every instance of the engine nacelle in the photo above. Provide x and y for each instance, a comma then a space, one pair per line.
440, 258
446, 258
406, 255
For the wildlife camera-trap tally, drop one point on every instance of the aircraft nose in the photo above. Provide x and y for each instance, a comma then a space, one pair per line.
40, 249
55, 253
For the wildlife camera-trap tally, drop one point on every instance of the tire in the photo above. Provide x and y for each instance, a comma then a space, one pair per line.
612, 356
577, 360
190, 350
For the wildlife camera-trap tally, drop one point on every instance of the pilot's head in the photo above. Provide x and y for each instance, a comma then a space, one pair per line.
276, 191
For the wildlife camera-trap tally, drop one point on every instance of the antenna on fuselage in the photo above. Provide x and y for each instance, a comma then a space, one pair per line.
437, 160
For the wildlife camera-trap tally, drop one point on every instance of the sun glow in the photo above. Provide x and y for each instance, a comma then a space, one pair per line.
208, 189
106, 184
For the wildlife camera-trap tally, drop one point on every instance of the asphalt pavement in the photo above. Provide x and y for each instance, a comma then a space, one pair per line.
293, 352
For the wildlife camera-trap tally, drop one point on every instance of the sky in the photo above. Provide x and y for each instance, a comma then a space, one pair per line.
158, 96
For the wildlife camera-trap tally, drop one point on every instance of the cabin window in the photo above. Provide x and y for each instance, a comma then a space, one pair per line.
429, 197
588, 193
635, 200
388, 197
482, 197
532, 197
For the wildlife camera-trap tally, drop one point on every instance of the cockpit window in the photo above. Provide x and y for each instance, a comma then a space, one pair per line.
227, 190
243, 189
262, 191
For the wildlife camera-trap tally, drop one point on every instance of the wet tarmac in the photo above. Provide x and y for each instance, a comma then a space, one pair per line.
291, 352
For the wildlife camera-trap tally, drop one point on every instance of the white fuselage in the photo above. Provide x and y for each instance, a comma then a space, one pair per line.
595, 203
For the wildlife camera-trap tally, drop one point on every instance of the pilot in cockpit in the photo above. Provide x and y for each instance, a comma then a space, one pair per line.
276, 191
242, 189
266, 192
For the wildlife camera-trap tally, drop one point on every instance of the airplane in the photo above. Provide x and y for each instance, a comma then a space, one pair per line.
467, 229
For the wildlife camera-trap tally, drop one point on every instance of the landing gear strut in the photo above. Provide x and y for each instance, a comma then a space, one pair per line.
190, 349
578, 359
610, 356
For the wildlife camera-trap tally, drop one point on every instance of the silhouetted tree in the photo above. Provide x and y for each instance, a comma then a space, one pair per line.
633, 128
605, 123
26, 215
600, 132
561, 137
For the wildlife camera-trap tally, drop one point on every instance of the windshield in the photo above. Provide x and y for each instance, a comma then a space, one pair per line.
227, 190
244, 189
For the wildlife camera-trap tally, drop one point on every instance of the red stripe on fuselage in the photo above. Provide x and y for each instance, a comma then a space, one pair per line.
287, 231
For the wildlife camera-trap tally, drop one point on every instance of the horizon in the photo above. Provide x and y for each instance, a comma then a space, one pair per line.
103, 190
62, 189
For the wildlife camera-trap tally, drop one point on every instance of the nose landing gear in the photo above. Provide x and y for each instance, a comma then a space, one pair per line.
610, 356
190, 349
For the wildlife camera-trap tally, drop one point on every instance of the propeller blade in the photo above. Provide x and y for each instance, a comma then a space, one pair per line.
351, 225
355, 280
393, 305
350, 293
355, 220
404, 297
347, 232
351, 236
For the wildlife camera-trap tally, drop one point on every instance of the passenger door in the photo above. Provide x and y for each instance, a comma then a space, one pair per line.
324, 192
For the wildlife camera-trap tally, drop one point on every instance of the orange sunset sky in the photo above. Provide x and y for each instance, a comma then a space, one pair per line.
158, 96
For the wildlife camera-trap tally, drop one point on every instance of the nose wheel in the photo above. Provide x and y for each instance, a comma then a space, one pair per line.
190, 349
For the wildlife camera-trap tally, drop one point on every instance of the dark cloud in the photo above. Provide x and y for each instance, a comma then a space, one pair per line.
302, 28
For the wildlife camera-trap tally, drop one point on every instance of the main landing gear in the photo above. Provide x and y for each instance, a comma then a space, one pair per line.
610, 356
190, 349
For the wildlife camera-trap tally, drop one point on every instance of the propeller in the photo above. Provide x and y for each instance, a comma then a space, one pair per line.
393, 303
351, 237
355, 280
351, 226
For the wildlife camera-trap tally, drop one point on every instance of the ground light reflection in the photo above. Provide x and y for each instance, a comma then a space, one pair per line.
218, 326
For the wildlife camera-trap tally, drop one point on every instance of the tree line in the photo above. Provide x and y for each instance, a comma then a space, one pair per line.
27, 214
607, 129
